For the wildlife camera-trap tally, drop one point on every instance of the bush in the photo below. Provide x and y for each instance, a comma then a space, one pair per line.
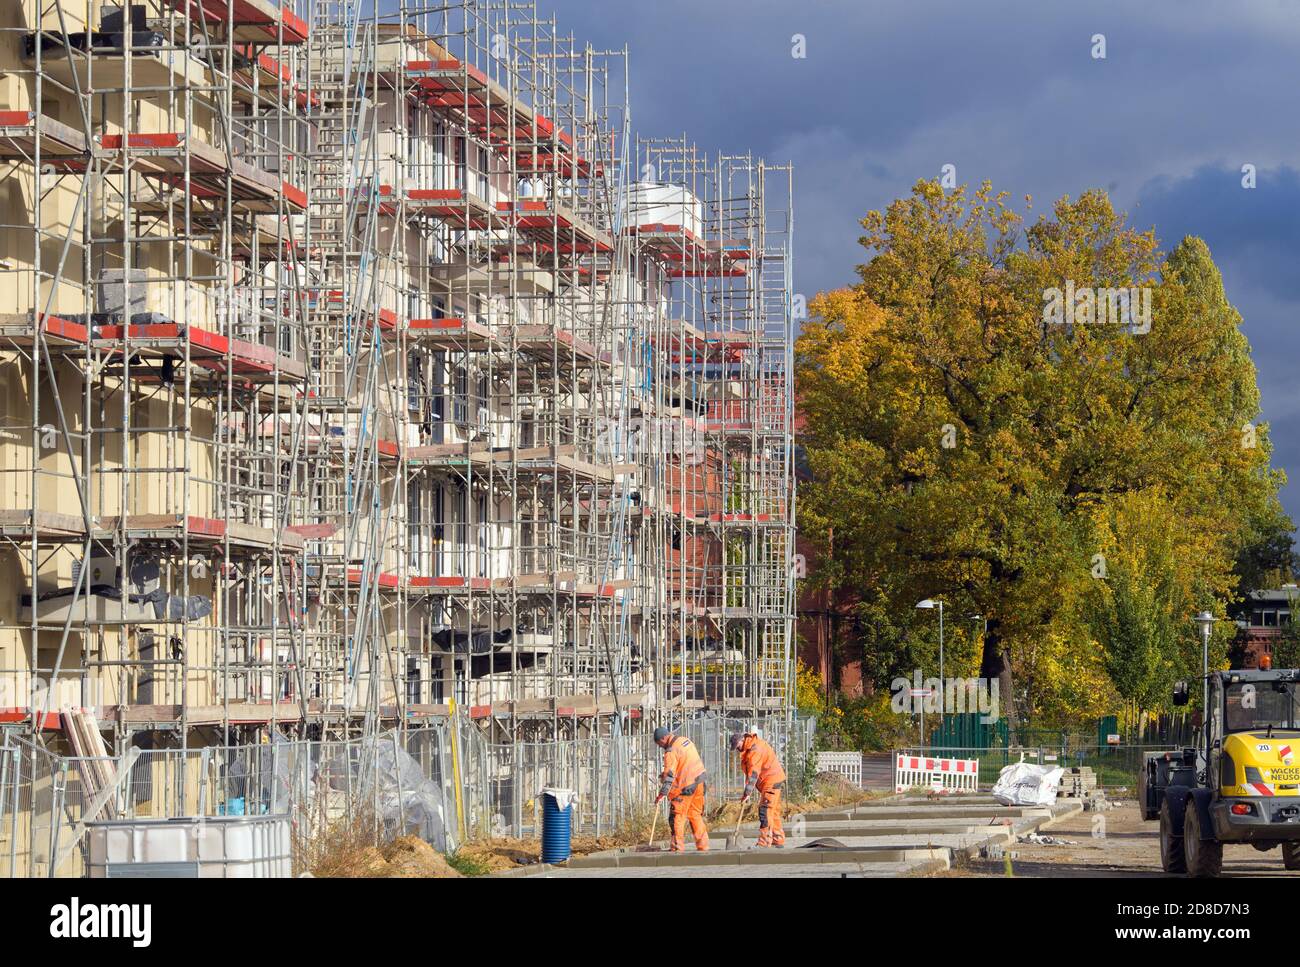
809, 689
801, 779
865, 724
1286, 650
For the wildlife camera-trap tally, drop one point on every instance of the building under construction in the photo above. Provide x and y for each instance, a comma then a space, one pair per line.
360, 366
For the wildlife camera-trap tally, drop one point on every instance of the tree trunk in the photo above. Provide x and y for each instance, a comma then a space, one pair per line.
994, 666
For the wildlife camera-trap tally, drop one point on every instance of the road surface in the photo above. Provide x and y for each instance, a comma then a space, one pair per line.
1116, 842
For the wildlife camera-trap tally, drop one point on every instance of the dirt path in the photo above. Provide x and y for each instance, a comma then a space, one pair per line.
1112, 843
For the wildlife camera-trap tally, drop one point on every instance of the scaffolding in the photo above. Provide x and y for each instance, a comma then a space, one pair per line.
362, 370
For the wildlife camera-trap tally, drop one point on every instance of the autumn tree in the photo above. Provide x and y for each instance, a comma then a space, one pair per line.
1153, 573
966, 440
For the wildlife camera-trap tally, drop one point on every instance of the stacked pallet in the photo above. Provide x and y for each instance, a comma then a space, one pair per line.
1077, 782
93, 762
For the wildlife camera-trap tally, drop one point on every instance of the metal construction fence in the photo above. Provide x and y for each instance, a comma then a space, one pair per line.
442, 781
396, 782
613, 777
1115, 766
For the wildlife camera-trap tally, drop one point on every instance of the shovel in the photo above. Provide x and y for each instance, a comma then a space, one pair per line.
735, 840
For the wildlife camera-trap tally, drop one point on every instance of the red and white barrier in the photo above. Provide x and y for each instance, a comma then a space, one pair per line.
941, 775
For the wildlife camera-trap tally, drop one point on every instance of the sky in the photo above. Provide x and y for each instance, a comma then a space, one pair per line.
890, 91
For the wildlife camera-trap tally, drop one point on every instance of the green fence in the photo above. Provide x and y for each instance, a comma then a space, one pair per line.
1116, 765
969, 730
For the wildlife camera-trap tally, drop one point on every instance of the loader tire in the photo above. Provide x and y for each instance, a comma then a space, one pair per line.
1204, 856
1172, 859
1291, 855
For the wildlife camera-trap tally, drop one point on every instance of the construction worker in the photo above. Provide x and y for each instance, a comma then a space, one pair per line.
763, 772
683, 782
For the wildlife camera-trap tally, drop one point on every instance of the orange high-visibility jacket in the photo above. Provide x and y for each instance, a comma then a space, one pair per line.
759, 763
683, 766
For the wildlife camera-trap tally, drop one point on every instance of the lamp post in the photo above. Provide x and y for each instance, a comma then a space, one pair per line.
930, 604
1206, 622
977, 619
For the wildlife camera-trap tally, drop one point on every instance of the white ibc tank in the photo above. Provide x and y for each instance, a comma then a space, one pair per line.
216, 847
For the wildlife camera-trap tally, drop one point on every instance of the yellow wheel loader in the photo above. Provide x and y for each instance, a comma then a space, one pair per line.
1239, 784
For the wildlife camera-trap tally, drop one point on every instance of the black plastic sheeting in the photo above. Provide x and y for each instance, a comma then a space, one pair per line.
166, 607
499, 662
479, 645
471, 642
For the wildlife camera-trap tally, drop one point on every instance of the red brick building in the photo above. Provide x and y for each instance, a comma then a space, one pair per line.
1261, 621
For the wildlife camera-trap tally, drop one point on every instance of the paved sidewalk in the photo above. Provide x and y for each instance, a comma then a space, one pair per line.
899, 836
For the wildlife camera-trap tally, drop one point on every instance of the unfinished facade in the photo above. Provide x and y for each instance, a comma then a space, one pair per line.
359, 367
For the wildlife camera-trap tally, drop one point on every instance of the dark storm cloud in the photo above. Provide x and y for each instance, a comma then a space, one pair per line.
891, 90
1253, 233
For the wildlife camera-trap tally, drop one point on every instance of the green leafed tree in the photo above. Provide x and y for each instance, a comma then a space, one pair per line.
968, 434
1137, 611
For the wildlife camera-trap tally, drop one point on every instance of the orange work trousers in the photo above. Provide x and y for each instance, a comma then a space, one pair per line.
688, 806
770, 830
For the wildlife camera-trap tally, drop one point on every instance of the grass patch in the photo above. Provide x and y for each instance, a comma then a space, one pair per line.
469, 863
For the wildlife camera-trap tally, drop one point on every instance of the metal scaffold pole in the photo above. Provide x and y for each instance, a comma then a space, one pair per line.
362, 365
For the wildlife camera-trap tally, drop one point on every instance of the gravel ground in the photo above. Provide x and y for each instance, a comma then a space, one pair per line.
1123, 845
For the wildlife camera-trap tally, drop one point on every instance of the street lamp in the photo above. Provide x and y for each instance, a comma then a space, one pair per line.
929, 604
1206, 622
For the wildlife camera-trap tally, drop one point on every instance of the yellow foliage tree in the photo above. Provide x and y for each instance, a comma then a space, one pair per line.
968, 442
809, 689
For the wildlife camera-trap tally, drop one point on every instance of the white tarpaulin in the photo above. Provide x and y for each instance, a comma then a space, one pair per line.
1026, 784
383, 775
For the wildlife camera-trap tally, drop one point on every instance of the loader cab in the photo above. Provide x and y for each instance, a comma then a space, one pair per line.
1253, 706
1247, 701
